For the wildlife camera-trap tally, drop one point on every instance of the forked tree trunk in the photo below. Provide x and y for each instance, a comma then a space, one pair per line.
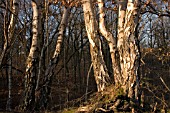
111, 42
126, 61
100, 71
32, 63
128, 47
46, 89
9, 36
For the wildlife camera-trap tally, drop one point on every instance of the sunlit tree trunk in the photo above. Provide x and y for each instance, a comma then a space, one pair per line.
46, 90
121, 19
111, 42
99, 67
32, 61
128, 46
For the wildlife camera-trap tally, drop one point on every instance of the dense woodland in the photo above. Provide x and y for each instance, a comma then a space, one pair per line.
85, 56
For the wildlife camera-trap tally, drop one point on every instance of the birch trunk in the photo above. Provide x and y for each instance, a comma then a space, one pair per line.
46, 90
128, 46
32, 61
9, 36
100, 71
8, 41
121, 19
112, 44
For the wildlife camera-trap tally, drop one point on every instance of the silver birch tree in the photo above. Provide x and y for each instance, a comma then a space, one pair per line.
9, 37
46, 90
111, 42
128, 47
100, 71
32, 61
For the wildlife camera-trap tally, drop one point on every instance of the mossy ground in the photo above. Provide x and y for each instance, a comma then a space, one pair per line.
110, 100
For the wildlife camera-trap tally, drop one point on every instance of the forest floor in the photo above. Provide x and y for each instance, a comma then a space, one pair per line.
155, 76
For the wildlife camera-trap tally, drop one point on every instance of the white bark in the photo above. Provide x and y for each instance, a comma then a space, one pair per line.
121, 21
111, 42
100, 71
11, 28
128, 46
10, 37
61, 32
30, 76
34, 45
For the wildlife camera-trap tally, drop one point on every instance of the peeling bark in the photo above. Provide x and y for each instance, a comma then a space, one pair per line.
100, 71
128, 46
112, 44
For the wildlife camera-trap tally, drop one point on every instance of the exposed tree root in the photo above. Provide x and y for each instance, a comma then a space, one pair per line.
109, 101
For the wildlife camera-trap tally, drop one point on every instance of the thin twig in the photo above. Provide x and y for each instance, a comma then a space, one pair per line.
164, 84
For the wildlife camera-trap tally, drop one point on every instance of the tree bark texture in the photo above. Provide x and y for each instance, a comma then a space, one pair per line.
111, 42
32, 63
100, 71
128, 46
